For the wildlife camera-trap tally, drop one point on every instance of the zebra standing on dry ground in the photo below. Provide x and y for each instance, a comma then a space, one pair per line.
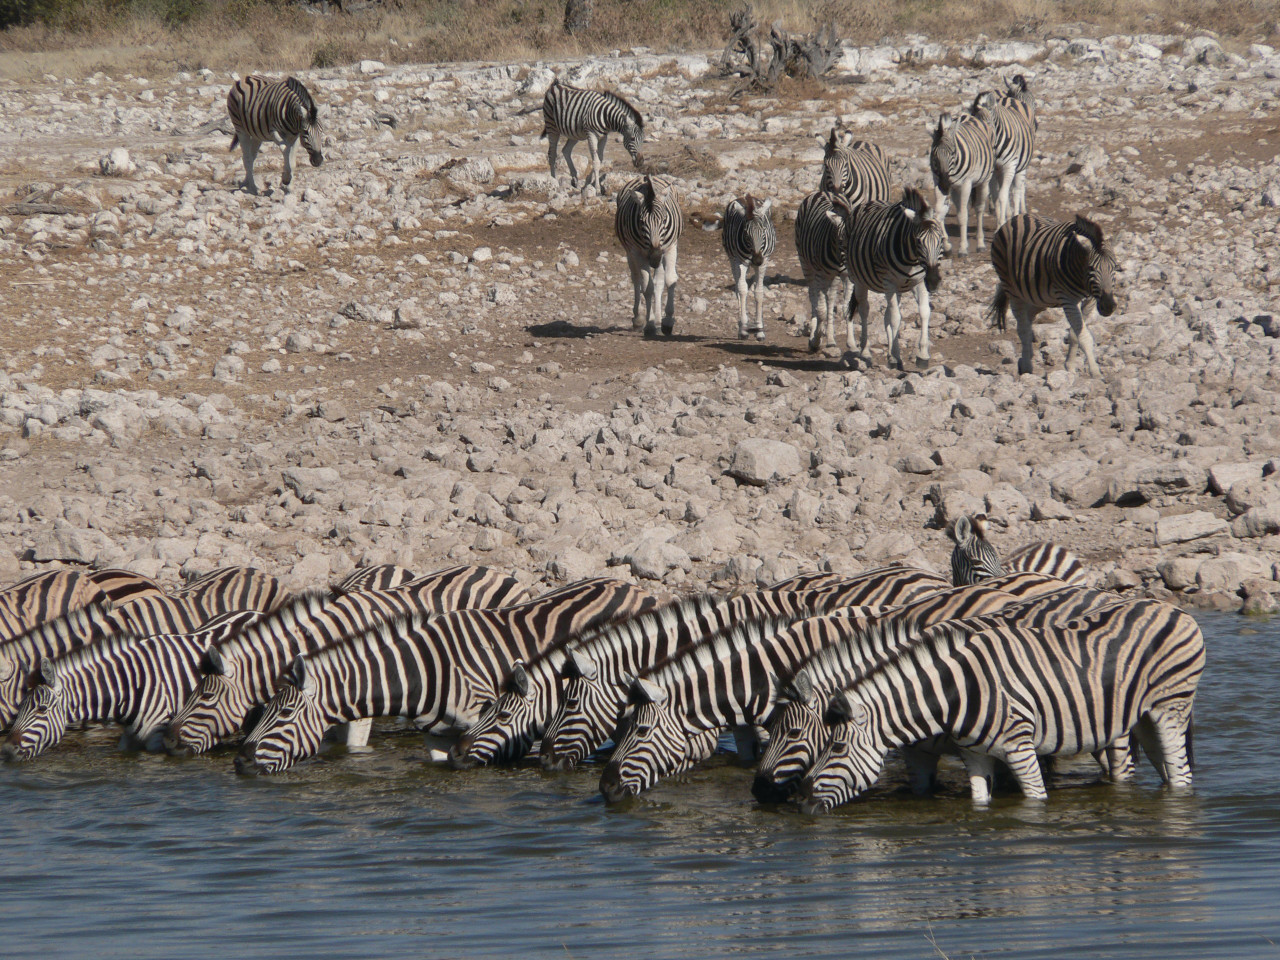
749, 239
577, 114
1013, 142
962, 162
856, 169
281, 111
648, 222
1045, 263
821, 232
893, 248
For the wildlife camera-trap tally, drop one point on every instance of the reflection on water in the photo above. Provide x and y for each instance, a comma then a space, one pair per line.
380, 854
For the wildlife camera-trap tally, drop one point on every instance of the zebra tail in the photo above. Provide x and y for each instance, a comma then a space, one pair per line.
998, 312
235, 139
1191, 741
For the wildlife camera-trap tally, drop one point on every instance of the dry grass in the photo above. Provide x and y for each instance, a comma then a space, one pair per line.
158, 36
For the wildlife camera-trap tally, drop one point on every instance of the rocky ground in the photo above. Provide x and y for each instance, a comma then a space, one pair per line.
423, 353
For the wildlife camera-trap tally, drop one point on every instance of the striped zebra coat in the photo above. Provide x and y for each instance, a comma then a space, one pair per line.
1013, 143
821, 238
439, 670
749, 238
1009, 693
855, 169
241, 674
281, 111
974, 559
892, 249
136, 682
48, 596
648, 223
1043, 263
577, 114
962, 162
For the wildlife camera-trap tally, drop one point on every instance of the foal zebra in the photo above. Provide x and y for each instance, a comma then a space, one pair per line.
855, 169
278, 110
749, 238
438, 670
893, 248
962, 162
821, 233
974, 559
577, 114
648, 223
1013, 141
1045, 263
135, 681
240, 674
1006, 692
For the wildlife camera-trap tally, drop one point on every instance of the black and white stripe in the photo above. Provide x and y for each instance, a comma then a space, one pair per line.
439, 670
962, 163
577, 114
281, 111
242, 673
749, 239
648, 223
382, 576
974, 559
1011, 693
892, 249
821, 232
1013, 142
856, 169
41, 597
231, 588
1045, 263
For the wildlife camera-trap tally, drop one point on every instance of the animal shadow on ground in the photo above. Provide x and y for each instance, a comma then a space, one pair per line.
564, 330
782, 357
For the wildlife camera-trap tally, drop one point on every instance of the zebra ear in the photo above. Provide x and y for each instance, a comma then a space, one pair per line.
980, 525
835, 218
839, 709
764, 208
46, 671
301, 677
519, 682
734, 203
580, 665
7, 668
212, 663
831, 143
803, 687
960, 529
645, 691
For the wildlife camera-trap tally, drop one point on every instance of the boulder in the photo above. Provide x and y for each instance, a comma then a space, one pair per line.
1189, 526
759, 462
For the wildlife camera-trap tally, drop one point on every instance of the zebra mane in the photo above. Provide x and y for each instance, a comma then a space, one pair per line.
913, 200
1084, 227
310, 602
666, 618
78, 619
845, 659
626, 104
309, 105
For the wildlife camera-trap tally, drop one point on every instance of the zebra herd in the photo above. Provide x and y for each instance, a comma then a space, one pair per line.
817, 677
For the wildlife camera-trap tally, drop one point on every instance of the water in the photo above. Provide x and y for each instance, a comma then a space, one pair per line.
116, 856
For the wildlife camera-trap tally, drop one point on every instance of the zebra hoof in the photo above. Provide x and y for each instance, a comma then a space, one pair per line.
922, 363
742, 334
668, 329
814, 345
650, 332
760, 336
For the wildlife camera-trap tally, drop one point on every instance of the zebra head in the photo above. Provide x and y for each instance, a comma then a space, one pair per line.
585, 718
755, 229
309, 120
216, 709
983, 104
850, 762
942, 157
1099, 263
927, 236
291, 727
836, 172
653, 744
507, 728
652, 213
796, 735
973, 559
42, 715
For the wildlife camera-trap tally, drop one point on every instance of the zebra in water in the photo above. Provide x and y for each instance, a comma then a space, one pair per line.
596, 680
749, 239
648, 223
893, 248
239, 675
974, 559
1013, 142
439, 670
797, 733
1010, 693
1045, 263
821, 237
133, 681
577, 114
278, 110
962, 162
855, 169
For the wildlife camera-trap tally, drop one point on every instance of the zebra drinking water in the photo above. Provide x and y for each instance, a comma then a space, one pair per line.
577, 114
1045, 263
749, 238
281, 111
893, 248
962, 163
1013, 141
648, 223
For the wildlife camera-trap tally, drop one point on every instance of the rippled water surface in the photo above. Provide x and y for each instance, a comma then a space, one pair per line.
116, 856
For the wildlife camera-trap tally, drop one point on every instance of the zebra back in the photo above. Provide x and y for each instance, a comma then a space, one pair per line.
575, 110
121, 586
857, 169
382, 576
42, 597
1050, 559
881, 587
1013, 128
961, 151
896, 244
231, 588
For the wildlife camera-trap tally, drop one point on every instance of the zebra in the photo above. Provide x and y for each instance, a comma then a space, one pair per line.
596, 672
577, 114
47, 596
1043, 263
240, 674
382, 576
1016, 89
507, 729
855, 169
821, 232
962, 161
648, 223
893, 248
1012, 693
796, 731
1013, 141
974, 559
134, 681
278, 110
231, 588
749, 239
439, 670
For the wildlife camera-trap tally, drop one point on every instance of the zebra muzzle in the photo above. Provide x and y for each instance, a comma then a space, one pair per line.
611, 784
10, 753
1106, 305
556, 763
932, 278
765, 790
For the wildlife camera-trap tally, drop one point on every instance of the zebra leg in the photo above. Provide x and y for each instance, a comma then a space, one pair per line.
1162, 731
818, 296
962, 215
982, 775
760, 302
669, 278
747, 744
594, 179
893, 326
1026, 334
553, 152
922, 766
356, 735
739, 268
1075, 319
1019, 193
1024, 763
942, 204
922, 301
636, 263
1116, 760
984, 190
864, 316
648, 276
1003, 181
287, 177
568, 159
249, 153
599, 160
